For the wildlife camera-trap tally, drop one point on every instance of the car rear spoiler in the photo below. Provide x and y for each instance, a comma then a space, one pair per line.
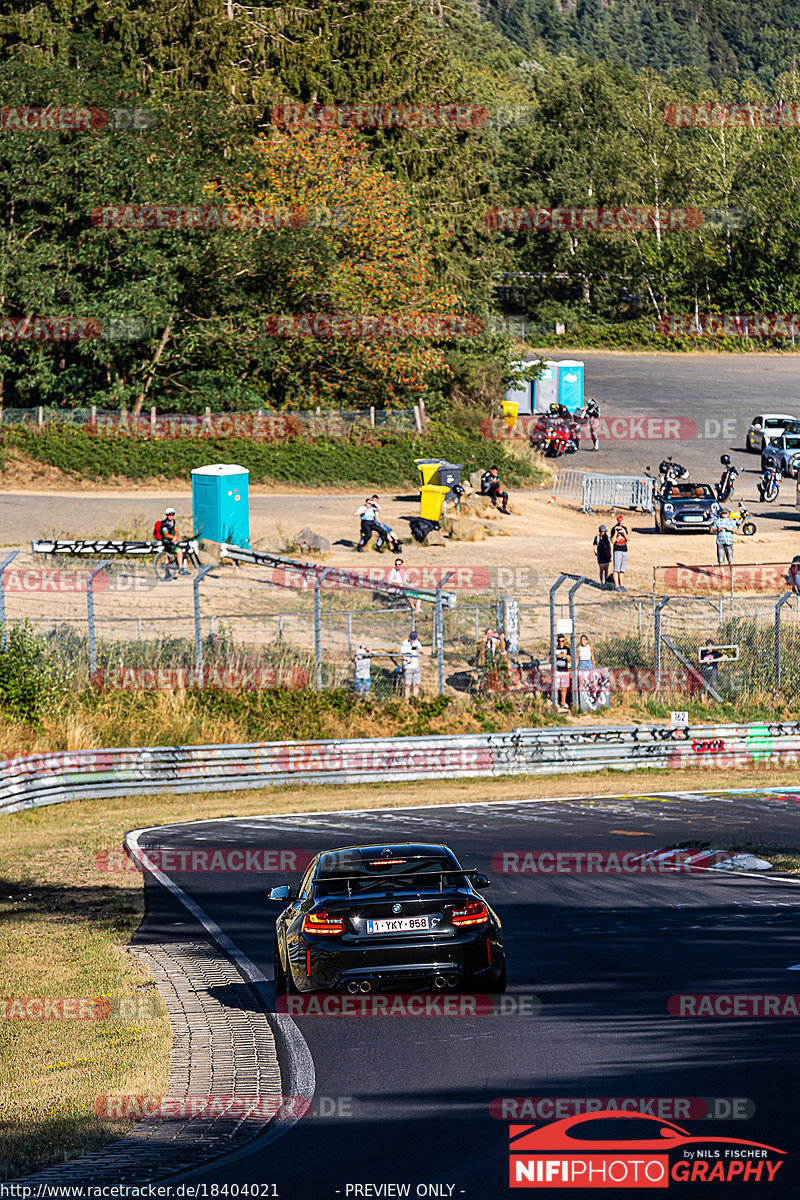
350, 877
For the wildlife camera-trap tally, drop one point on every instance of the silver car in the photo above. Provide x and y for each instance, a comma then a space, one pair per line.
783, 453
766, 426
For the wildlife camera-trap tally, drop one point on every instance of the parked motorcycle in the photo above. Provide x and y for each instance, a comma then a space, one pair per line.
555, 437
725, 487
770, 484
671, 472
744, 523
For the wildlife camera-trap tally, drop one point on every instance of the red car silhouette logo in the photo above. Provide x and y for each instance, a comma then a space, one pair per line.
663, 1135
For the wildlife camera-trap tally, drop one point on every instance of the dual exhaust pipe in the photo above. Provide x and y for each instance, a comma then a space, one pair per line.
354, 986
440, 982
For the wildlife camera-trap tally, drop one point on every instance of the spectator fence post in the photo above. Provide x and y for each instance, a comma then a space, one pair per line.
573, 648
657, 640
9, 558
319, 576
439, 627
198, 628
90, 616
777, 671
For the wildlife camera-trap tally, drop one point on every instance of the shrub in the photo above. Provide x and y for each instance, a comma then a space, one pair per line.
30, 683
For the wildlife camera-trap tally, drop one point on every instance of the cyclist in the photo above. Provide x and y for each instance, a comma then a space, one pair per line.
166, 530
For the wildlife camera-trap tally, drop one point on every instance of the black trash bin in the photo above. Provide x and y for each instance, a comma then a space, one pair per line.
449, 476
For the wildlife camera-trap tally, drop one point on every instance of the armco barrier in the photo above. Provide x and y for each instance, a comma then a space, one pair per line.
52, 778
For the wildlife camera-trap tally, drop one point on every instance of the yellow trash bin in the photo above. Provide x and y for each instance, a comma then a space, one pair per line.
431, 500
510, 412
428, 468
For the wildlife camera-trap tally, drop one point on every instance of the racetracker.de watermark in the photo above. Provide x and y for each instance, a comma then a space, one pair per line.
418, 1004
210, 217
602, 862
628, 429
615, 220
349, 326
220, 1107
757, 577
234, 679
55, 118
79, 1008
426, 578
778, 115
735, 1004
665, 1108
749, 325
72, 329
379, 116
230, 859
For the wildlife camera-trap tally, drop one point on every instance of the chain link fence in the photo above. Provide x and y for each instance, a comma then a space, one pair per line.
250, 626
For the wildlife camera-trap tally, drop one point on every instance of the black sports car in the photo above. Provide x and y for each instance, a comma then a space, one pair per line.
403, 916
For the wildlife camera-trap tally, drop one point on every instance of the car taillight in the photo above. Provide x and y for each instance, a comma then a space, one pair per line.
474, 912
320, 922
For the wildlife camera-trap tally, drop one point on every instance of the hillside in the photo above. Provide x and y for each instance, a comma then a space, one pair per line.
723, 39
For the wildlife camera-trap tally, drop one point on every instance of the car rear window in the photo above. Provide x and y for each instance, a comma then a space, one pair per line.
359, 876
776, 422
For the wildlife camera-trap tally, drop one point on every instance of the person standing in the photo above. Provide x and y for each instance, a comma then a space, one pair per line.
363, 667
563, 658
585, 654
591, 413
619, 544
723, 527
412, 672
602, 549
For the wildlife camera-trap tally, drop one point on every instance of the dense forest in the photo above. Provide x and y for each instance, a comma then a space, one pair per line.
722, 39
665, 203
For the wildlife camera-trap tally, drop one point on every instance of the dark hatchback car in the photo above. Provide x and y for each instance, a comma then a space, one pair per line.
686, 508
401, 916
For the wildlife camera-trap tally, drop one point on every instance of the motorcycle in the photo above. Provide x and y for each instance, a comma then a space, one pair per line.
725, 487
770, 484
668, 472
743, 521
554, 438
671, 472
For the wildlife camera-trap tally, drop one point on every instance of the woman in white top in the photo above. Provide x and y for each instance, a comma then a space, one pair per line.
585, 655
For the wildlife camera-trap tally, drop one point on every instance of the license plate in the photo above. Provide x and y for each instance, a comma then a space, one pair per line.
398, 925
693, 520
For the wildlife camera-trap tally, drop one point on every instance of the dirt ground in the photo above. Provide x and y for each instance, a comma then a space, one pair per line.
539, 536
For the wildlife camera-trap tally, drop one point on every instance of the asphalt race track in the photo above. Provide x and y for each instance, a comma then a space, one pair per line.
603, 954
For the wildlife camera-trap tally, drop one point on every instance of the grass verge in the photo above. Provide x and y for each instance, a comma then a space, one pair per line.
365, 458
88, 720
65, 929
64, 933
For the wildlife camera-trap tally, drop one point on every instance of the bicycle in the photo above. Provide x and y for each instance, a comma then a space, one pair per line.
165, 564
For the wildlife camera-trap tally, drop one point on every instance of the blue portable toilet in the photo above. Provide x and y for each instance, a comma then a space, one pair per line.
570, 384
221, 503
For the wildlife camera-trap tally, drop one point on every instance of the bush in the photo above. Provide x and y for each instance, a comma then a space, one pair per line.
30, 684
366, 458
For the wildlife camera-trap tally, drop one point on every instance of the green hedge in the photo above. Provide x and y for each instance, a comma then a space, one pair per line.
365, 458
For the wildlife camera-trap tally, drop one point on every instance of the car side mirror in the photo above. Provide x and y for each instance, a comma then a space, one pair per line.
481, 881
280, 893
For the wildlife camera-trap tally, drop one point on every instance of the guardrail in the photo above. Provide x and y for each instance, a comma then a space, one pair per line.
54, 778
